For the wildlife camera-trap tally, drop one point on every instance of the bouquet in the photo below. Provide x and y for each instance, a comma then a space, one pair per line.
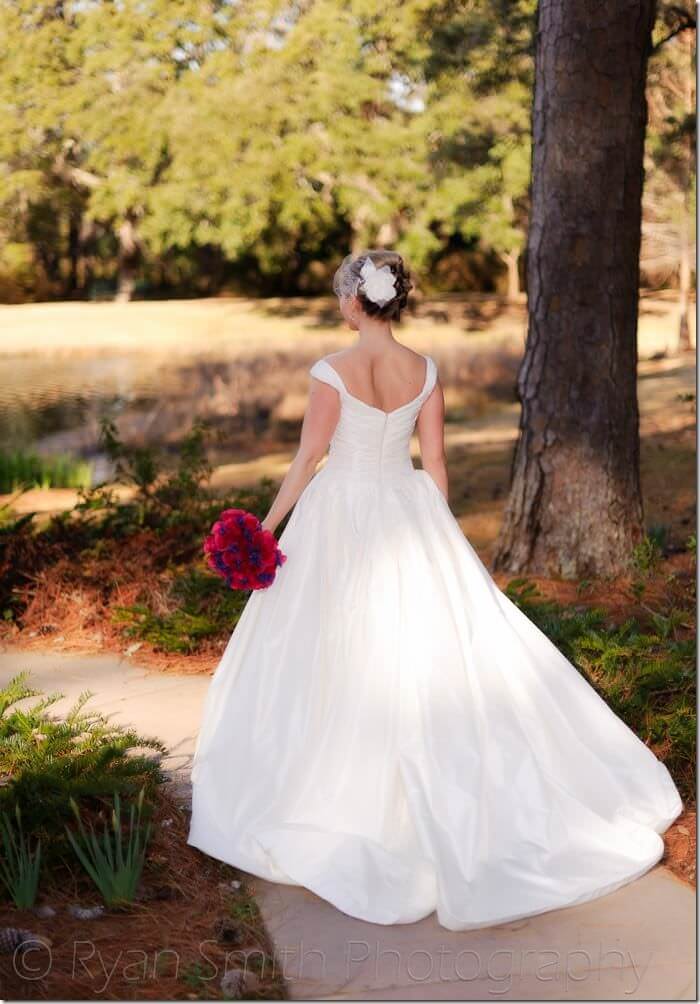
240, 550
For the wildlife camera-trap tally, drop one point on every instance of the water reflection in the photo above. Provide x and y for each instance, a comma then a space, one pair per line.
255, 403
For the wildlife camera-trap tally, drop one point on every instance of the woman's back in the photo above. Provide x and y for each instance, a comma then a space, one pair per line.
385, 380
369, 440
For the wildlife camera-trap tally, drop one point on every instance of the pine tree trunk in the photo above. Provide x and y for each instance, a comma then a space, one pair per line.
575, 505
129, 261
513, 288
74, 225
684, 341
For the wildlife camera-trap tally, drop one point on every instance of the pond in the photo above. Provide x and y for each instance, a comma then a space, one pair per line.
153, 369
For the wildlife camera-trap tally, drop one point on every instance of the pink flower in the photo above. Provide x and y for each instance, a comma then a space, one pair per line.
240, 550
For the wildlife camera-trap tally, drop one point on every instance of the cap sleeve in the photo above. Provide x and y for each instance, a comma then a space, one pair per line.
325, 372
430, 376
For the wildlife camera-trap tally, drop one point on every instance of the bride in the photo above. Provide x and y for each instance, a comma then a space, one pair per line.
385, 727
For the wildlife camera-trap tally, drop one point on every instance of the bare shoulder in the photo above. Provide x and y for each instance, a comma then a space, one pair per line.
340, 354
397, 354
412, 364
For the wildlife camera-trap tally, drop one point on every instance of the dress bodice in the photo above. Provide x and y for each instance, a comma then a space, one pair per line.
369, 442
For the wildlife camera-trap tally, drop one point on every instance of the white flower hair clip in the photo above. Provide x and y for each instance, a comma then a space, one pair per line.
379, 284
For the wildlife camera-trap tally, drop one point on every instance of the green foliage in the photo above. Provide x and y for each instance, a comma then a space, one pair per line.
45, 759
645, 671
19, 469
158, 139
649, 552
668, 231
163, 524
198, 976
19, 864
162, 499
563, 627
166, 497
140, 133
201, 606
114, 863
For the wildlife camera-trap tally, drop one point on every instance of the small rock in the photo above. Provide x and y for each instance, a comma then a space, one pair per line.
44, 911
237, 982
167, 822
134, 647
684, 830
86, 912
235, 885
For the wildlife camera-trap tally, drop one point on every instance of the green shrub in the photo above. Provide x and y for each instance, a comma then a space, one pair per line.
166, 520
649, 552
202, 607
45, 760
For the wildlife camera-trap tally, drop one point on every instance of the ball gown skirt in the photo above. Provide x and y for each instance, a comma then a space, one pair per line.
387, 729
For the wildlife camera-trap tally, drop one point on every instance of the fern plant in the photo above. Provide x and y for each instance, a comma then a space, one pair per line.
113, 862
19, 864
46, 760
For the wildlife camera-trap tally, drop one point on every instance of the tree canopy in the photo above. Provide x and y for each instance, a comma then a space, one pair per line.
192, 144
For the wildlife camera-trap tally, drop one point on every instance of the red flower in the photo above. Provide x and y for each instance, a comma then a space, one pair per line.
240, 550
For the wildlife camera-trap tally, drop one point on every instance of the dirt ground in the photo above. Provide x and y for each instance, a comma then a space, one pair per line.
193, 921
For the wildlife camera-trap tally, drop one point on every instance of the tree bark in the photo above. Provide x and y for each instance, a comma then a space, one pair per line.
74, 227
575, 506
129, 260
511, 260
684, 277
684, 341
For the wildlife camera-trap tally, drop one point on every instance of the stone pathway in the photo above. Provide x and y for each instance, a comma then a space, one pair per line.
636, 943
167, 706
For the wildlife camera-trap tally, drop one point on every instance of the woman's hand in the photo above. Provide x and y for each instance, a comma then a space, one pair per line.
267, 525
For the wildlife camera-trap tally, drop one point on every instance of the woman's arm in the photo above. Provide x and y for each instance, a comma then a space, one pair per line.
320, 419
431, 437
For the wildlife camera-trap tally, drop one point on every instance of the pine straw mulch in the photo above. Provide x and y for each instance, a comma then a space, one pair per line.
672, 583
680, 839
167, 946
69, 604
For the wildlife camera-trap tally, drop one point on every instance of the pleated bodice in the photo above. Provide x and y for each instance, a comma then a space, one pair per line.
368, 442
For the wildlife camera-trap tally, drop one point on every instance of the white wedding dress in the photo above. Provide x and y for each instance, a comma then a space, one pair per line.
387, 729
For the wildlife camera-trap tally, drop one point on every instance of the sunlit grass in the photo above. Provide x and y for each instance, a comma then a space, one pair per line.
23, 469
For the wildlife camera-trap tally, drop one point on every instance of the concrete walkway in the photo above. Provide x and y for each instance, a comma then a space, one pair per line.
167, 706
636, 943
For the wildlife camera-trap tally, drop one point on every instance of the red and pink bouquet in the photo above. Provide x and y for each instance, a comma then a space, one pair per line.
240, 550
